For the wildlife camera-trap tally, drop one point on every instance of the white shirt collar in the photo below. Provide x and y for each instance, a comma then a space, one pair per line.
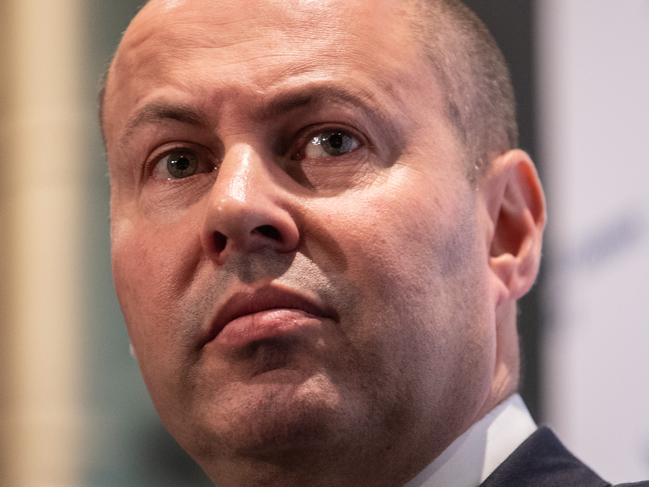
475, 454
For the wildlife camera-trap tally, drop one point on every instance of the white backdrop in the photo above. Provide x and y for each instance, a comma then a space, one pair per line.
594, 120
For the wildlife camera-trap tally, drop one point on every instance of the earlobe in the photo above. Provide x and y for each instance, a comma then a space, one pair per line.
516, 208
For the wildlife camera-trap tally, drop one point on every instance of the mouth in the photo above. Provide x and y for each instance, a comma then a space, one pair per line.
264, 313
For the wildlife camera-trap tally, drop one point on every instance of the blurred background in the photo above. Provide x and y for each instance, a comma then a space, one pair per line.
73, 409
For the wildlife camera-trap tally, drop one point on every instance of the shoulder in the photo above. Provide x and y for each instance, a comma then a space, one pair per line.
543, 461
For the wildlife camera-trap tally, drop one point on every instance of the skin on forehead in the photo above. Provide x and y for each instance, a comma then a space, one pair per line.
309, 40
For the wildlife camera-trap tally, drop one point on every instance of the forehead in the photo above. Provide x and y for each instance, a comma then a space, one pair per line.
254, 26
257, 46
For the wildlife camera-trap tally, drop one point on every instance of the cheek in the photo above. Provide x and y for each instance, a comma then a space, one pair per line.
412, 247
152, 267
421, 270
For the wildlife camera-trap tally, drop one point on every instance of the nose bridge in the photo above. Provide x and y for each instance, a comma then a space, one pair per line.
247, 210
239, 176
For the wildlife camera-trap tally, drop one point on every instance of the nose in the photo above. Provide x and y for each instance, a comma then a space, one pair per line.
247, 210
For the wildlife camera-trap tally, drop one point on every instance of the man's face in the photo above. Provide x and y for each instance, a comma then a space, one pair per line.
299, 256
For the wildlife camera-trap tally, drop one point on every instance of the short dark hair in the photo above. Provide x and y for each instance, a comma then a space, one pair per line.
474, 76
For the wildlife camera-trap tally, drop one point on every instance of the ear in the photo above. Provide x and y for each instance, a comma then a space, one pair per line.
515, 207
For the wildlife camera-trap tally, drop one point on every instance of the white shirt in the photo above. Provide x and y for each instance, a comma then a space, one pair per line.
474, 455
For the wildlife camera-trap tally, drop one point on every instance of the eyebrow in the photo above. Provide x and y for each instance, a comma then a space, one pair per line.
158, 112
311, 96
304, 97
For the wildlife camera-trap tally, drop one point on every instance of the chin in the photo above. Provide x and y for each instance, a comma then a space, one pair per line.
280, 411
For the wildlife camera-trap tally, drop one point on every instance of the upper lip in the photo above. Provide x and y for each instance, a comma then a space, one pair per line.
253, 301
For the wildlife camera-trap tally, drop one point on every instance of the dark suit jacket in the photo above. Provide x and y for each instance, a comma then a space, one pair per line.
542, 461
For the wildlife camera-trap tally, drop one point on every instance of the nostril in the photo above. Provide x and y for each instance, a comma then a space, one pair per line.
220, 241
269, 231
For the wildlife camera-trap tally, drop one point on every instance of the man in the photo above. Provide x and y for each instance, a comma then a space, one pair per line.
321, 226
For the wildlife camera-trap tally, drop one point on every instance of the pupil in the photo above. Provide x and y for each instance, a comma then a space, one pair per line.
336, 141
181, 163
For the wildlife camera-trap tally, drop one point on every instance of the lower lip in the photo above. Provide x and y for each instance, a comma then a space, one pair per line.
265, 325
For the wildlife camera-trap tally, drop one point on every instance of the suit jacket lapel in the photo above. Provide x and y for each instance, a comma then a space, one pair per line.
542, 461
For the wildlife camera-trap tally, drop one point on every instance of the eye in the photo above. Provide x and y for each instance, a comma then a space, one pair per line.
329, 143
181, 164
